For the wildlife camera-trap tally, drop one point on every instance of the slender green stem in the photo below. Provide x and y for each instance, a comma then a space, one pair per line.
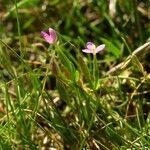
128, 48
88, 130
95, 71
137, 20
18, 25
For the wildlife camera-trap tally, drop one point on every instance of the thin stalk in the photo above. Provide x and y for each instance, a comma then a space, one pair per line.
95, 71
18, 25
137, 21
88, 130
128, 48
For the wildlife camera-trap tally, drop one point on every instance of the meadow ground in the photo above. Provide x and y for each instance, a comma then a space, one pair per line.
58, 91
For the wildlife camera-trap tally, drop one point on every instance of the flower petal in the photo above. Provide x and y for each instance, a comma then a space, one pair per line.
90, 45
46, 37
100, 48
53, 35
87, 51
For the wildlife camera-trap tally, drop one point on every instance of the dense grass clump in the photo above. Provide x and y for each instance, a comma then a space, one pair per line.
55, 94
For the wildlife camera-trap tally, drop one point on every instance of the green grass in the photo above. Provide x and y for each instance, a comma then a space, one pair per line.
58, 97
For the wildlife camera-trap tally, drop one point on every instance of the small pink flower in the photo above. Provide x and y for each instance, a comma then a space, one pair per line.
50, 37
91, 48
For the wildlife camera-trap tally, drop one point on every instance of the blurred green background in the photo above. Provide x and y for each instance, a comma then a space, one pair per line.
80, 19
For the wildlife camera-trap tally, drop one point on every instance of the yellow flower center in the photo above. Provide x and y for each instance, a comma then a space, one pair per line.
93, 49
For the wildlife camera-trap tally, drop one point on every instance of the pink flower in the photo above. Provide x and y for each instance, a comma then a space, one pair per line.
91, 48
50, 37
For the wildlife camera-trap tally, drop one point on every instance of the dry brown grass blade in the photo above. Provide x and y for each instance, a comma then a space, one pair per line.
128, 59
